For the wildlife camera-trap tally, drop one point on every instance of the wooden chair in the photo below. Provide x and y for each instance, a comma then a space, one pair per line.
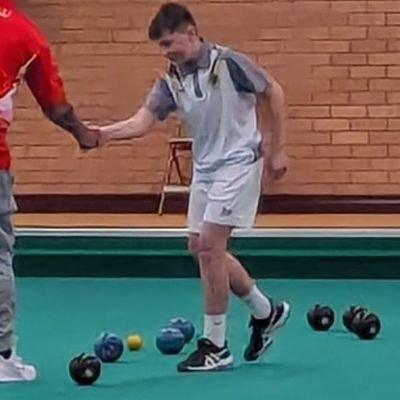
178, 146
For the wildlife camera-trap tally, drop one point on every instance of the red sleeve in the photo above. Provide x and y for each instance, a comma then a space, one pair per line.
42, 75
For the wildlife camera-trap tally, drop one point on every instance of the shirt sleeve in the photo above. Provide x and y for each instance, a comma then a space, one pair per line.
42, 76
160, 100
246, 75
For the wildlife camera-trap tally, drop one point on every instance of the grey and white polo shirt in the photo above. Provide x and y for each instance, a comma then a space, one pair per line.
215, 96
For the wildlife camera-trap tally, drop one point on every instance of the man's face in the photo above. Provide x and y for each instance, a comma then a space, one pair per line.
178, 47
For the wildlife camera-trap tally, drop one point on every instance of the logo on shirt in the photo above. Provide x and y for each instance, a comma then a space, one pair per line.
5, 13
225, 212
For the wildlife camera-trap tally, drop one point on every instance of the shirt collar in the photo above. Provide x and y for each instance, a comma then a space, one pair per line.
202, 61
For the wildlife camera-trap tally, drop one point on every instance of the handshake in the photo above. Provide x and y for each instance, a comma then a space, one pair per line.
90, 137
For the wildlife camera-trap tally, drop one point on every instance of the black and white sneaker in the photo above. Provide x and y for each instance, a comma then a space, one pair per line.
207, 357
262, 330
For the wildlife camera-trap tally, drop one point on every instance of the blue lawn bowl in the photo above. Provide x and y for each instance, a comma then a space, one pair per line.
185, 326
109, 347
170, 341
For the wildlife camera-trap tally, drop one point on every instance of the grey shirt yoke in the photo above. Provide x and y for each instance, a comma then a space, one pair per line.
246, 76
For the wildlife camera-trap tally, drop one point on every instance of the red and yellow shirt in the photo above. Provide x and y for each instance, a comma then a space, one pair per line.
24, 56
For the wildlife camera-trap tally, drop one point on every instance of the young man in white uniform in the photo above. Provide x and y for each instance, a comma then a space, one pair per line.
214, 90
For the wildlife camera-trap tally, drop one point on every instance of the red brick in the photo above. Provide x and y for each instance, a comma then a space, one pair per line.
384, 111
330, 72
350, 138
367, 19
300, 87
331, 125
129, 35
385, 164
368, 124
330, 46
305, 138
82, 36
393, 19
349, 6
384, 138
394, 45
369, 177
311, 188
299, 125
367, 46
95, 48
294, 97
330, 98
318, 85
393, 72
394, 151
20, 152
303, 17
318, 164
350, 189
367, 72
349, 85
275, 33
300, 151
383, 188
367, 98
351, 164
320, 176
394, 176
259, 46
320, 6
387, 32
332, 151
349, 59
383, 59
293, 59
315, 32
368, 151
383, 6
74, 23
347, 32
44, 151
384, 84
309, 112
349, 111
393, 98
233, 33
394, 125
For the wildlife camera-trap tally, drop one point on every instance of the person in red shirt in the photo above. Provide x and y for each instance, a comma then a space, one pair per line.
25, 56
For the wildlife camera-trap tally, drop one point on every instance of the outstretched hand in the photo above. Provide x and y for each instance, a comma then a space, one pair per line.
97, 130
89, 139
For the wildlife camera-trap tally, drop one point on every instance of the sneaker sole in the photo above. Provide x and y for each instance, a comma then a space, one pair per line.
256, 356
221, 367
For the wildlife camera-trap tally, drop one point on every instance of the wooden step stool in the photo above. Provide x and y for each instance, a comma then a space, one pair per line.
177, 146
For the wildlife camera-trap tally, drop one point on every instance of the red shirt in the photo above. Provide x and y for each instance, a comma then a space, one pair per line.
24, 56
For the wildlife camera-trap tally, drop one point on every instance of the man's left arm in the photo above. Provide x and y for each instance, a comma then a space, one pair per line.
248, 77
47, 87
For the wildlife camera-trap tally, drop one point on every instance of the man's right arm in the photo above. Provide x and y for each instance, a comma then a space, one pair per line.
158, 105
46, 85
133, 127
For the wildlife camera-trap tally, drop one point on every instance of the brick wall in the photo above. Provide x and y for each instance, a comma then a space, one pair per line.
338, 61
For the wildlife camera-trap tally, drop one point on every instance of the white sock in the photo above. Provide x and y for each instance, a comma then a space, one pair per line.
215, 328
259, 305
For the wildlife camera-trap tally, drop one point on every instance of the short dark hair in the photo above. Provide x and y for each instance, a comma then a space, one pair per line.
170, 18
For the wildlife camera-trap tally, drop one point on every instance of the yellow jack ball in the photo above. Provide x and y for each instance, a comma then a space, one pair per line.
134, 342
